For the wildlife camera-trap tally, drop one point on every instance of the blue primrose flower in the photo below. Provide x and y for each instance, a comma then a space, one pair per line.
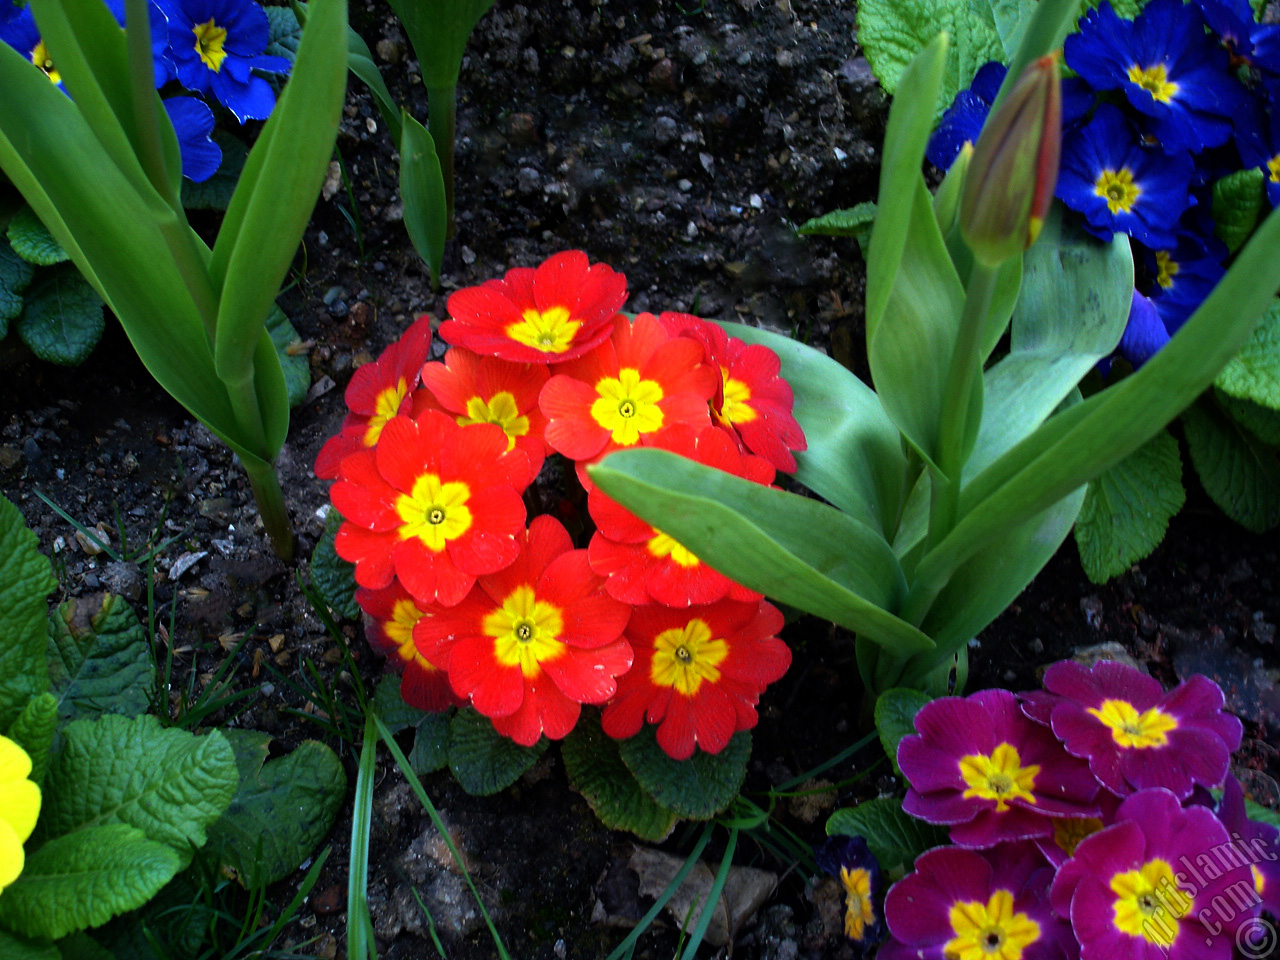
850, 861
1184, 276
1144, 332
1170, 70
193, 122
1120, 185
963, 120
1246, 40
216, 45
1259, 146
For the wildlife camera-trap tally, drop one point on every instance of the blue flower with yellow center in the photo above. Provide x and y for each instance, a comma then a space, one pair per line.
1170, 70
215, 46
1246, 41
1183, 276
193, 122
1120, 185
850, 861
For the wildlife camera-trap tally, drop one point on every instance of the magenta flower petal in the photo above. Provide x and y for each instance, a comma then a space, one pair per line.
1254, 842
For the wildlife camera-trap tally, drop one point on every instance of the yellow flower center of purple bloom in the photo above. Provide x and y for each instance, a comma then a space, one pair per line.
990, 931
1069, 831
1129, 728
550, 331
525, 631
1149, 903
1155, 80
385, 406
434, 512
999, 776
40, 57
1166, 268
1259, 881
399, 630
628, 406
685, 656
500, 409
859, 912
209, 40
737, 396
1118, 189
664, 545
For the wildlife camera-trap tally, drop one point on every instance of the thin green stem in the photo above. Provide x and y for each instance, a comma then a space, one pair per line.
442, 122
270, 498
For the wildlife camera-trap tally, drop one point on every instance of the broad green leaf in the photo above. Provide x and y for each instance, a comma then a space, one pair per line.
334, 577
281, 809
895, 713
596, 771
216, 192
697, 788
296, 368
430, 750
391, 708
99, 659
1254, 373
1239, 200
439, 33
1262, 422
798, 551
892, 32
62, 321
85, 878
854, 458
426, 214
32, 241
1240, 473
1009, 17
895, 838
856, 222
25, 580
168, 783
1127, 510
286, 33
33, 731
15, 276
1258, 812
483, 760
13, 947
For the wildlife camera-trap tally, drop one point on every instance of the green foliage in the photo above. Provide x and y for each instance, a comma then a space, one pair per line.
1257, 811
1127, 510
297, 371
1239, 200
15, 277
594, 764
426, 207
484, 761
62, 319
13, 947
895, 838
856, 222
895, 714
25, 580
1254, 373
33, 731
334, 577
697, 788
99, 659
32, 241
1239, 472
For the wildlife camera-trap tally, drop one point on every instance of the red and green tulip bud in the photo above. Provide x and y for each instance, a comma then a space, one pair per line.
1014, 168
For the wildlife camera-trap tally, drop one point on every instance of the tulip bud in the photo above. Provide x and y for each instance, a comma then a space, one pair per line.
1014, 169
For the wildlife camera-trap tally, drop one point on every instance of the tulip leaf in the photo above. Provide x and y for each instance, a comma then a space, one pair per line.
1127, 509
426, 214
1254, 373
484, 761
798, 551
99, 659
854, 457
894, 837
594, 764
895, 715
26, 579
32, 241
697, 788
439, 33
1240, 473
62, 321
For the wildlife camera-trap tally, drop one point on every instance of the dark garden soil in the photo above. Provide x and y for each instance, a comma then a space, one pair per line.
680, 145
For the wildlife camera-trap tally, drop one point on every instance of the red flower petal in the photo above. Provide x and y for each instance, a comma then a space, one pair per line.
495, 690
369, 551
590, 676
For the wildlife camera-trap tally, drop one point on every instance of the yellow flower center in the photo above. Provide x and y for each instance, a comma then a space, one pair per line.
1118, 189
859, 912
550, 331
434, 512
628, 406
1069, 831
1129, 728
1259, 881
1167, 268
664, 545
500, 409
990, 931
1273, 168
209, 40
999, 777
736, 408
1149, 903
40, 57
525, 631
1154, 80
399, 629
685, 656
385, 406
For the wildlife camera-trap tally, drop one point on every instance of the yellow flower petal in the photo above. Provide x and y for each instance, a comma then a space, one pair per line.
19, 807
14, 762
12, 859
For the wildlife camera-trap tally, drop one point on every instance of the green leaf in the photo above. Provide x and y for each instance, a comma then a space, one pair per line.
281, 809
1262, 422
439, 33
1258, 812
896, 711
797, 550
426, 213
63, 320
895, 838
32, 241
595, 768
391, 708
697, 788
81, 946
892, 32
15, 276
86, 878
1239, 200
99, 659
1239, 472
856, 222
1254, 373
13, 947
25, 580
1127, 510
482, 760
168, 783
1009, 18
285, 34
430, 744
334, 577
215, 192
33, 732
297, 371
854, 458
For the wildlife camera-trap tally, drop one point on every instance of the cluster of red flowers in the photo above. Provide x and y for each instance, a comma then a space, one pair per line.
474, 607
